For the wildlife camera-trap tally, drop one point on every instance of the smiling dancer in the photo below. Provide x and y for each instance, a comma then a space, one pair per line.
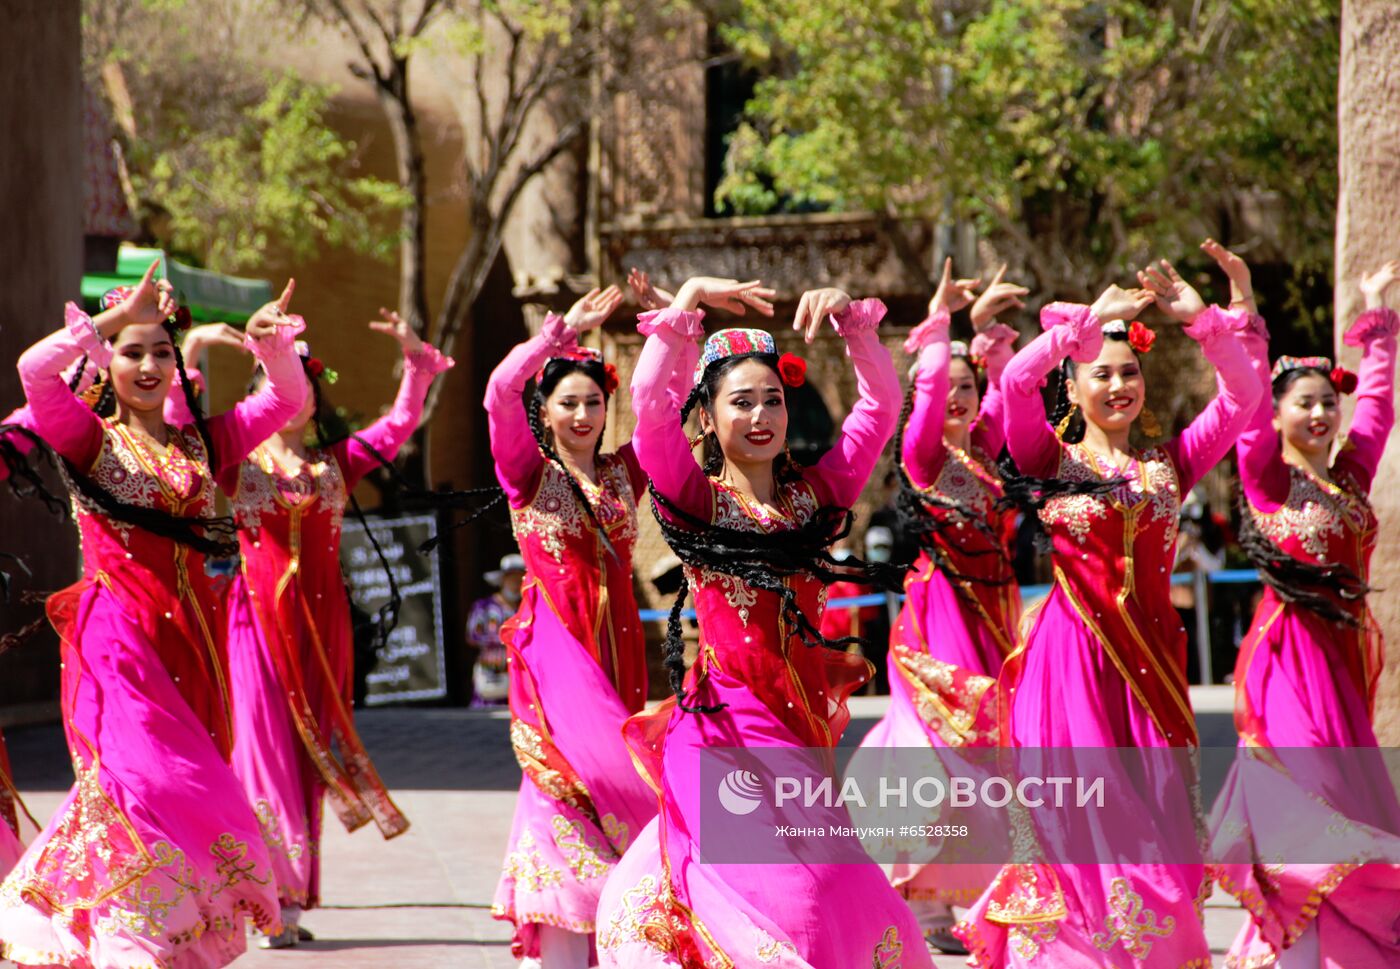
752, 528
290, 645
576, 646
155, 857
962, 603
1307, 670
1104, 664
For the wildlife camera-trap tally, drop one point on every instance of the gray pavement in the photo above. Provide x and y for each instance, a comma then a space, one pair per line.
423, 900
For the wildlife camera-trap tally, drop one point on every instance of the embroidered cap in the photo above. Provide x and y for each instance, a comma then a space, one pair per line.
731, 343
115, 296
1285, 363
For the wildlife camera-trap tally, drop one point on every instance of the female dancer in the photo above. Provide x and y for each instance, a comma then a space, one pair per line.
155, 857
290, 647
1104, 664
961, 600
576, 646
752, 528
1307, 670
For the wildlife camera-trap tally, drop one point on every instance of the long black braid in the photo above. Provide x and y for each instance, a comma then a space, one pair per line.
1296, 581
916, 514
761, 560
23, 470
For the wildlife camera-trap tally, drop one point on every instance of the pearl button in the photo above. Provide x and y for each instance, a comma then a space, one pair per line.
167, 615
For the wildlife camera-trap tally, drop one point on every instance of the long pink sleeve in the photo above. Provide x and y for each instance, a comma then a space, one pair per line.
996, 347
923, 450
1263, 473
844, 470
389, 433
255, 418
177, 411
1374, 417
659, 440
518, 459
1209, 437
1071, 330
66, 423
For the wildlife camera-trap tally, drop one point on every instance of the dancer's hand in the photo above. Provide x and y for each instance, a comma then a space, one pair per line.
200, 338
952, 294
152, 301
648, 296
997, 298
1117, 303
593, 309
270, 316
1375, 286
394, 325
814, 308
1174, 296
1237, 270
725, 294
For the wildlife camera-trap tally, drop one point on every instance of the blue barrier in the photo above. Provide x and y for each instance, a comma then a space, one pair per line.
1219, 577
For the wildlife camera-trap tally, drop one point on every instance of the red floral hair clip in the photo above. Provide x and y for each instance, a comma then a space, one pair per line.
792, 369
1140, 336
610, 381
1343, 380
182, 319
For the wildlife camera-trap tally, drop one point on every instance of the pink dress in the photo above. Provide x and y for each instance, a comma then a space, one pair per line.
10, 808
290, 647
155, 857
948, 644
1105, 666
1302, 681
577, 666
663, 904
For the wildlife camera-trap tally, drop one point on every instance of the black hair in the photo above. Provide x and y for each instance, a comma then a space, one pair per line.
916, 509
1298, 582
1284, 382
24, 476
761, 560
1031, 494
1076, 426
555, 371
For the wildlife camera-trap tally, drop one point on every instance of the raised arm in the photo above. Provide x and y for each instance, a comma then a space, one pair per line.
421, 363
1374, 417
995, 347
518, 460
923, 449
1209, 437
845, 469
1070, 330
1263, 473
659, 443
255, 418
68, 425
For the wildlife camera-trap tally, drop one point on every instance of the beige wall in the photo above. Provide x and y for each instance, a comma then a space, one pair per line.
41, 194
1368, 232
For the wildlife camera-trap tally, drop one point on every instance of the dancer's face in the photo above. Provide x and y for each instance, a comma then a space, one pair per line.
1110, 391
1308, 415
962, 398
575, 412
143, 366
749, 414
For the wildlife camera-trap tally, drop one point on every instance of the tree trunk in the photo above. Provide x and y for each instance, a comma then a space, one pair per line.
1367, 213
408, 153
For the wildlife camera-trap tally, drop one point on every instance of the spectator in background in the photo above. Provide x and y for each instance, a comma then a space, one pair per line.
841, 621
490, 684
904, 549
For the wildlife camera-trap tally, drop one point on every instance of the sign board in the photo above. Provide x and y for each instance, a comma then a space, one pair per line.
412, 665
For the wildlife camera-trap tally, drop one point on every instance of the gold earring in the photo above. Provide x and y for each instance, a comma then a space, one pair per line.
1063, 426
1148, 421
695, 441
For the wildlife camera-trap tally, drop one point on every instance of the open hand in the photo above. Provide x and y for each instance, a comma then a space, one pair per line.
593, 309
1117, 303
997, 298
725, 294
200, 338
814, 307
270, 316
391, 323
1374, 286
952, 294
152, 301
1173, 295
1237, 271
648, 296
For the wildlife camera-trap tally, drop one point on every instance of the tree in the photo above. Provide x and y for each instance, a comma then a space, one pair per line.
225, 157
538, 70
1082, 135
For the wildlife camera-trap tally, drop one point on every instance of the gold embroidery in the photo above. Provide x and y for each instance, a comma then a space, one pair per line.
769, 950
526, 867
554, 514
1153, 479
130, 470
580, 850
1027, 937
1130, 923
263, 488
888, 951
1314, 512
268, 824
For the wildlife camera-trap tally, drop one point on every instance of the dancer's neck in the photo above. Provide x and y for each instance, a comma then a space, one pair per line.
151, 423
1315, 464
1108, 446
582, 463
755, 482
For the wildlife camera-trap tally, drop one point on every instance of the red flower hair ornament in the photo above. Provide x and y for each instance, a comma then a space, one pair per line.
1140, 336
610, 381
792, 370
1343, 380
